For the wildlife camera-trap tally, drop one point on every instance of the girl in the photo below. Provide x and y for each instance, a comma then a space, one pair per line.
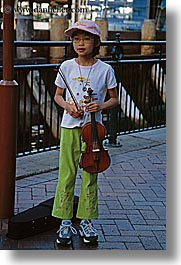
81, 73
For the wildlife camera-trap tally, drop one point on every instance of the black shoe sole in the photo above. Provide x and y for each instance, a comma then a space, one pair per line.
63, 242
86, 240
90, 242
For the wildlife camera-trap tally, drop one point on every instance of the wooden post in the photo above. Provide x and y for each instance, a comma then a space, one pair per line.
148, 32
103, 25
57, 27
24, 31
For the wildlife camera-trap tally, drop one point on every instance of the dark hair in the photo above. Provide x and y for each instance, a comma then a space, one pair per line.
96, 39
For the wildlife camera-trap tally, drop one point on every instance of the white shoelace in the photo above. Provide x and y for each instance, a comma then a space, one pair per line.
89, 228
63, 227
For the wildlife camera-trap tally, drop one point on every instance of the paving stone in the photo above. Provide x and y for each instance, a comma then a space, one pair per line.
143, 207
127, 166
127, 182
101, 237
150, 243
156, 222
160, 211
122, 239
105, 189
150, 202
161, 236
148, 194
23, 196
115, 216
112, 245
50, 187
126, 201
149, 227
104, 210
116, 185
138, 166
147, 176
149, 215
104, 221
164, 246
110, 230
136, 219
137, 233
39, 191
123, 225
158, 189
117, 169
137, 180
134, 246
114, 205
121, 213
126, 211
137, 197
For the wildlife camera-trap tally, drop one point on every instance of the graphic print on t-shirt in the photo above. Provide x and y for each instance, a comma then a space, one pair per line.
84, 84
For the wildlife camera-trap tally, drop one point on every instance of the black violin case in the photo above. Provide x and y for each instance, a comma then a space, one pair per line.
35, 220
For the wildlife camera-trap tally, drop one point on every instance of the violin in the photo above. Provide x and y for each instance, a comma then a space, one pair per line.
95, 158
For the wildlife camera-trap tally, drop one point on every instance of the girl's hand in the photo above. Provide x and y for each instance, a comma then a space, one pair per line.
72, 110
93, 107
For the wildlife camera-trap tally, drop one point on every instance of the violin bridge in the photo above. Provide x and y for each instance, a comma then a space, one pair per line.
96, 150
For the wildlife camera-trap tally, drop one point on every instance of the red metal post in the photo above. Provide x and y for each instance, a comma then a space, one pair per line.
8, 110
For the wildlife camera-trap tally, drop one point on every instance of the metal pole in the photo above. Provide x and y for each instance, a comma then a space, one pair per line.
8, 96
117, 54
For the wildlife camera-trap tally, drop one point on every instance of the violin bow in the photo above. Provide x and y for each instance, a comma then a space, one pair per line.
69, 89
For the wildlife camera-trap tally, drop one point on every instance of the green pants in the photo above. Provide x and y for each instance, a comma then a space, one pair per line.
70, 151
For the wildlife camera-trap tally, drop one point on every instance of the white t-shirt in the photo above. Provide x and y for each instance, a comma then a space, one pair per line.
99, 77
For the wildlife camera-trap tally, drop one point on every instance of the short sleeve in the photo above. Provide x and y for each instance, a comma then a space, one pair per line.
111, 78
59, 81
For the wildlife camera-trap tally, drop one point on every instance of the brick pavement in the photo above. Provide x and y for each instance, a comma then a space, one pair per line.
132, 195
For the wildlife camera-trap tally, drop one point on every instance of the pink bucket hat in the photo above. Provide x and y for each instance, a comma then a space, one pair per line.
85, 25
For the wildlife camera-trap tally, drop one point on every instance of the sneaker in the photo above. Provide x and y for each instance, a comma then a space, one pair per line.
88, 232
65, 232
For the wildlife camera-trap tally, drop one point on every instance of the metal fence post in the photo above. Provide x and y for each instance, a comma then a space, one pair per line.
117, 53
8, 109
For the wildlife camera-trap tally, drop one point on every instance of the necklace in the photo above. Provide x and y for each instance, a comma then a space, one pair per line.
82, 79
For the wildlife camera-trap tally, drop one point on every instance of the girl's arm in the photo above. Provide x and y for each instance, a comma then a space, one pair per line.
111, 102
71, 108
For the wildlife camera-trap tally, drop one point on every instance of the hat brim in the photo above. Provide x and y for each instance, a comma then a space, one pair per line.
69, 32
